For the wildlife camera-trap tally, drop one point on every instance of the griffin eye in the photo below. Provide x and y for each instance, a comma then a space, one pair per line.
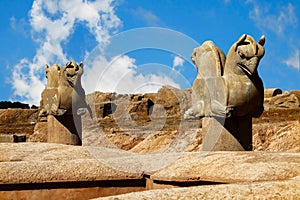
241, 55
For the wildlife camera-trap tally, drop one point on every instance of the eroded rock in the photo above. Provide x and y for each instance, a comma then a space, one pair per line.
261, 190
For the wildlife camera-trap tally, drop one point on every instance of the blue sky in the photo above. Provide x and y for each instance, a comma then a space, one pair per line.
122, 53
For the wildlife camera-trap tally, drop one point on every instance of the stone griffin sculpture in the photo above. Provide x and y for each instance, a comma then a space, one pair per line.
64, 90
229, 87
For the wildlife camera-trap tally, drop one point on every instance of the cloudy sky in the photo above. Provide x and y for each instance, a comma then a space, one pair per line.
131, 46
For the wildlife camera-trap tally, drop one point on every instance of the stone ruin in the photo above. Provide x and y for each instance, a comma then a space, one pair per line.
63, 103
227, 93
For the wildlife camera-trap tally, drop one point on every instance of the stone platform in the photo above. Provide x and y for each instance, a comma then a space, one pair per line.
56, 171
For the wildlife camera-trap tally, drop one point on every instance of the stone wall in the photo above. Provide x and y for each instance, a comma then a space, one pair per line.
111, 109
16, 125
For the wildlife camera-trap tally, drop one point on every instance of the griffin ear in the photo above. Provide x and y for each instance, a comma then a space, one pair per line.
46, 70
262, 40
193, 57
81, 64
240, 40
58, 68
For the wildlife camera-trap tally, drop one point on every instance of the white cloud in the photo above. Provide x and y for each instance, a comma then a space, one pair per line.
178, 61
52, 23
13, 23
293, 61
120, 75
20, 26
104, 75
20, 78
147, 16
264, 17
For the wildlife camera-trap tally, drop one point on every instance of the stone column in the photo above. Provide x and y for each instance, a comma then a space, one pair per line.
218, 138
241, 129
63, 130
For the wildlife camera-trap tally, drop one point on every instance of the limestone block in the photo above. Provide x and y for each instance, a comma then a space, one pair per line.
216, 137
46, 162
63, 130
39, 162
248, 174
231, 167
288, 189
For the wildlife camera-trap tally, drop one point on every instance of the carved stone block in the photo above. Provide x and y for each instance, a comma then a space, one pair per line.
62, 130
216, 137
228, 92
63, 103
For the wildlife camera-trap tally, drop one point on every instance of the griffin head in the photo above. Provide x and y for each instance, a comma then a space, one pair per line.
73, 72
244, 55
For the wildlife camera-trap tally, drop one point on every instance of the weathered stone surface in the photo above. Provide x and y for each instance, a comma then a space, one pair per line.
135, 117
45, 162
62, 129
161, 140
275, 130
274, 115
94, 134
11, 115
41, 162
258, 173
72, 192
155, 142
282, 100
285, 100
34, 151
277, 136
272, 92
241, 129
6, 138
40, 133
232, 167
296, 93
174, 100
16, 122
287, 189
56, 171
218, 138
